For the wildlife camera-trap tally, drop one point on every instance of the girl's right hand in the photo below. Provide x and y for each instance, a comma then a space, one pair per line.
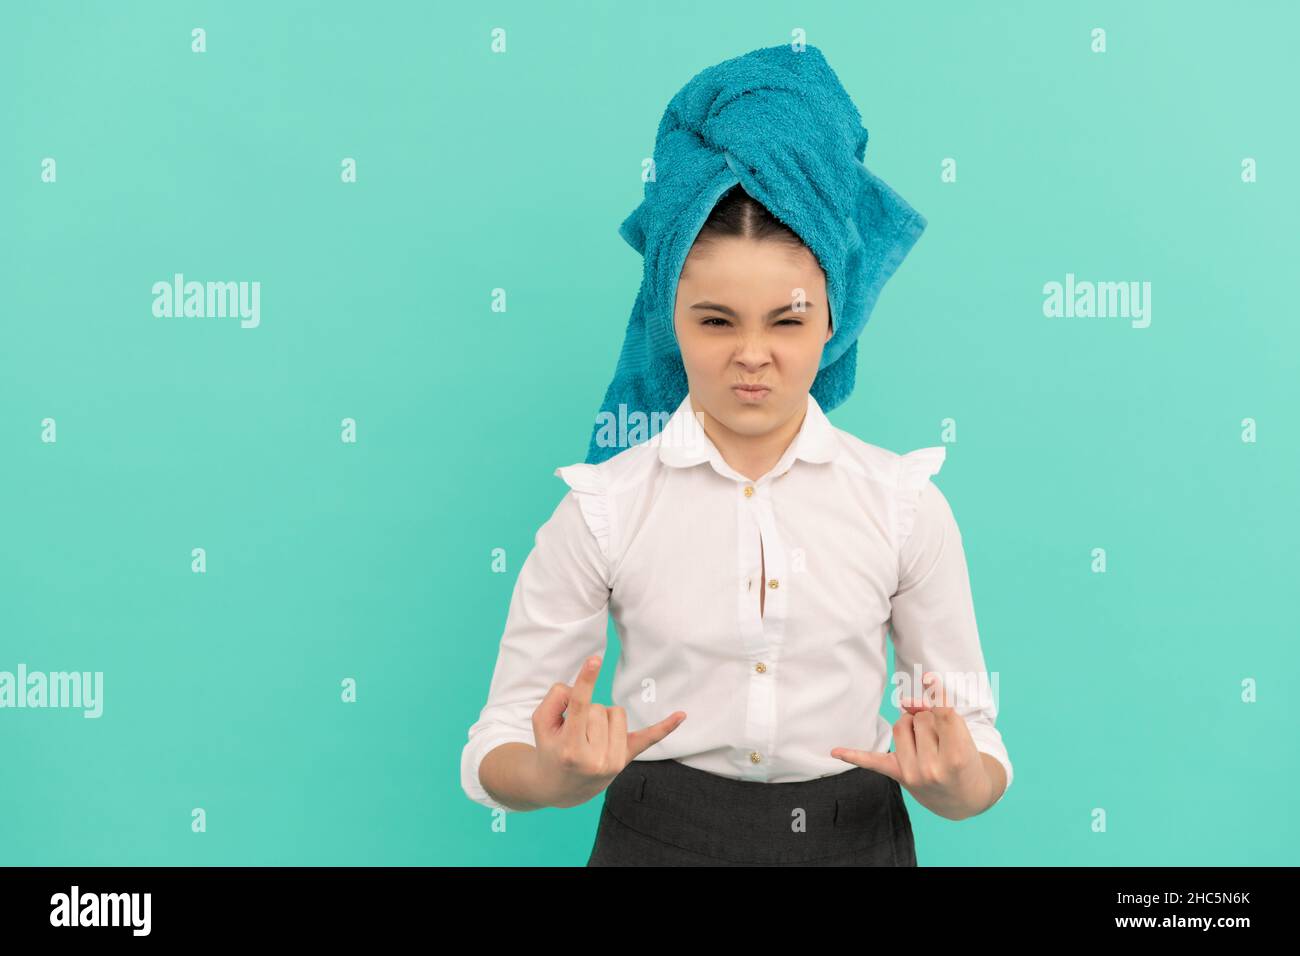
581, 746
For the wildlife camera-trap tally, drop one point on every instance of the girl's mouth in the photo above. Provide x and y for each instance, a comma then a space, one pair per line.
751, 393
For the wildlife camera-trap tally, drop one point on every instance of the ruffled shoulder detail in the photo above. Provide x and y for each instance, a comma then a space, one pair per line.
914, 472
589, 485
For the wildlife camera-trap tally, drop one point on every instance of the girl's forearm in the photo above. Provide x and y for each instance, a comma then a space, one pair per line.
508, 774
997, 778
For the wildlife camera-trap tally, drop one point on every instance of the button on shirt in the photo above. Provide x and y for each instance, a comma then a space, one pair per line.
839, 541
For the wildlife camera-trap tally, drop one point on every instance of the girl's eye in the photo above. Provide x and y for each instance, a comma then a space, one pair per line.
726, 322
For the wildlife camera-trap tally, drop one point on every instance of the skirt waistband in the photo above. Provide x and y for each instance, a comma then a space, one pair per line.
745, 821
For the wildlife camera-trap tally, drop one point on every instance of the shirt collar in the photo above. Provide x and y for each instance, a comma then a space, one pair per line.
683, 441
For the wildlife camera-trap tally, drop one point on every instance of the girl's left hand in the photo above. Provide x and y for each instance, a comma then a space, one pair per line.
935, 757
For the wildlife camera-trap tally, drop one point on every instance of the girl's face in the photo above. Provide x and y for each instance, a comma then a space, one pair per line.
751, 312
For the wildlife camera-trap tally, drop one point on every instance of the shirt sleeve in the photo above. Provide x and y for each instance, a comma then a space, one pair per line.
558, 617
933, 615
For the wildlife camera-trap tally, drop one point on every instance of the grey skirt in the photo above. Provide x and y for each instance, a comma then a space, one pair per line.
664, 813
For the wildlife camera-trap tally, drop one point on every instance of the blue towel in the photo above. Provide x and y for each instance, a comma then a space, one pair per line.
778, 122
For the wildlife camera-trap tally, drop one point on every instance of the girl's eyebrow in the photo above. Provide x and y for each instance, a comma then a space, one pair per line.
716, 307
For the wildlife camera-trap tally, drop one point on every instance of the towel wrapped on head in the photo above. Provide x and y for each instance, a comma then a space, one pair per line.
778, 122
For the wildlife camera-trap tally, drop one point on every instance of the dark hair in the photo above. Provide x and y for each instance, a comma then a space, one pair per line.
738, 214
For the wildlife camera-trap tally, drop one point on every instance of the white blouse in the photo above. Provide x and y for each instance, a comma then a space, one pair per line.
853, 537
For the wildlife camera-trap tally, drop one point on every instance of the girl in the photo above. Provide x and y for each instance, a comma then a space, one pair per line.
754, 557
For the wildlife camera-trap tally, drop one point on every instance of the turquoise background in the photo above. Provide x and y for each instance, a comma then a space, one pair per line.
479, 171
